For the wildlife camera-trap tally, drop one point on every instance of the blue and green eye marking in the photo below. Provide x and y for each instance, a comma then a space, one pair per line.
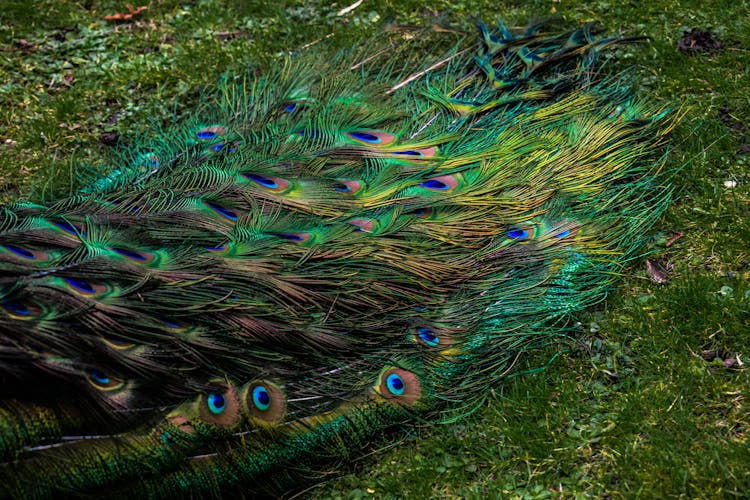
395, 384
399, 385
216, 403
428, 337
265, 402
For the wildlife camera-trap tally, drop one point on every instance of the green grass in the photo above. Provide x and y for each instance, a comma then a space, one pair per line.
650, 399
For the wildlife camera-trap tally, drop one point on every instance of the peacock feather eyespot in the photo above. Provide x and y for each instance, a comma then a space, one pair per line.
441, 183
84, 287
171, 323
206, 133
224, 147
221, 406
348, 187
17, 252
261, 398
294, 237
224, 212
265, 401
67, 227
219, 249
363, 225
216, 403
371, 137
102, 381
398, 385
415, 155
427, 337
120, 345
395, 384
267, 182
134, 255
17, 309
422, 213
20, 252
517, 234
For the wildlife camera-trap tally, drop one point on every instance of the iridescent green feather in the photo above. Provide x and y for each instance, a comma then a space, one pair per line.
336, 246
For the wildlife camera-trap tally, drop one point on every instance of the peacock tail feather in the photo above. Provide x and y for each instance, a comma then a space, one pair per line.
335, 246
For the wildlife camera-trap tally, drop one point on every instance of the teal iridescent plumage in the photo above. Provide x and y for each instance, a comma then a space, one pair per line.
322, 251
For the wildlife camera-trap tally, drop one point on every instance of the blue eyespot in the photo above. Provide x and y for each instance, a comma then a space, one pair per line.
218, 248
435, 185
261, 398
130, 254
68, 227
428, 336
289, 108
407, 153
263, 181
206, 134
224, 212
21, 252
395, 384
563, 234
217, 147
517, 234
365, 137
290, 236
99, 377
342, 188
80, 285
170, 323
216, 403
16, 307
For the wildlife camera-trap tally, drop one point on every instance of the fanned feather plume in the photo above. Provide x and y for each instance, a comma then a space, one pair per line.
327, 249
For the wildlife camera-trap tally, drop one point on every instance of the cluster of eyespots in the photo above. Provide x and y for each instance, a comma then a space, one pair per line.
261, 400
224, 212
398, 385
207, 133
